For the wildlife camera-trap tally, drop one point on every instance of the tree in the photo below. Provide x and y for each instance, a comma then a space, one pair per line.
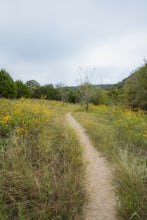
135, 89
86, 91
7, 85
47, 91
51, 92
32, 84
72, 95
22, 89
62, 91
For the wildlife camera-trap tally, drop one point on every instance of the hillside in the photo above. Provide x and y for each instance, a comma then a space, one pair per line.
135, 88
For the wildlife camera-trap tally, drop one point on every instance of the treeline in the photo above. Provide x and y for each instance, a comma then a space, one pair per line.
60, 92
32, 89
132, 91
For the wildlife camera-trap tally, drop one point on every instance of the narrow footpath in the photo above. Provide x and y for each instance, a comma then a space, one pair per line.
102, 200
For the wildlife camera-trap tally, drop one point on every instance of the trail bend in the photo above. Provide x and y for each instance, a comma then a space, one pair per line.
102, 201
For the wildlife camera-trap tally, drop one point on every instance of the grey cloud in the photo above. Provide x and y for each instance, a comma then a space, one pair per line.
49, 38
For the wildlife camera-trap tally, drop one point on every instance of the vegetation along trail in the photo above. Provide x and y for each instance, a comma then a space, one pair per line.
102, 201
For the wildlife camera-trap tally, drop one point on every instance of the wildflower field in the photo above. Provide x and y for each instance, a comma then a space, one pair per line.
121, 135
41, 164
41, 167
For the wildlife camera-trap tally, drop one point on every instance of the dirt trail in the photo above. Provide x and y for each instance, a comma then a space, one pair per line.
102, 201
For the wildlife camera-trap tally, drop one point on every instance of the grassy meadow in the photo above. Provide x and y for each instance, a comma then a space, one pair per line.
121, 135
41, 167
41, 164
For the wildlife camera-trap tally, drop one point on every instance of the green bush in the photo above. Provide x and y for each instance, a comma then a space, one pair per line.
7, 85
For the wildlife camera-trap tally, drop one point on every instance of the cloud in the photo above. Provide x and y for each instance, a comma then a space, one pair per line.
47, 40
113, 58
117, 52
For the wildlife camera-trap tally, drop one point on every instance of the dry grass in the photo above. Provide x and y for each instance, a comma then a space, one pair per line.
122, 137
42, 169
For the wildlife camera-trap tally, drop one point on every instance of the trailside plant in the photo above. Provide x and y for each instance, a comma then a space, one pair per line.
121, 135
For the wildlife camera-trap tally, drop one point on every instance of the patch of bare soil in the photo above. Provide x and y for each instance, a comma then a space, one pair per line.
102, 200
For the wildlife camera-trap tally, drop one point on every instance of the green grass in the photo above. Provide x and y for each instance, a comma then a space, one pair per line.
121, 135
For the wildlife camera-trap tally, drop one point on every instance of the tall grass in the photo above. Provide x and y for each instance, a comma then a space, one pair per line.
41, 165
130, 179
122, 137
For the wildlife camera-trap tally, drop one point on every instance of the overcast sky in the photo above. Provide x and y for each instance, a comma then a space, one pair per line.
54, 41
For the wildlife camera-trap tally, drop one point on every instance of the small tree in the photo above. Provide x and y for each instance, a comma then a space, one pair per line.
86, 91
